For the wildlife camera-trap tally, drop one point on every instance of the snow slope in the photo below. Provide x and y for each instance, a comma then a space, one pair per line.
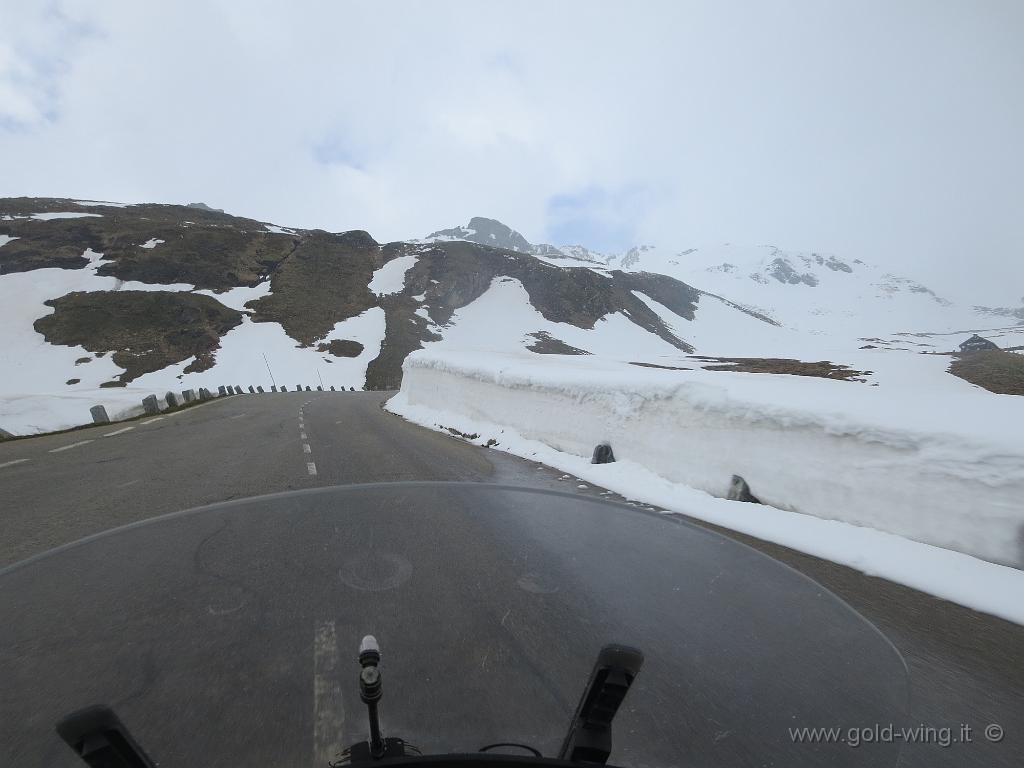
502, 318
35, 395
390, 278
814, 292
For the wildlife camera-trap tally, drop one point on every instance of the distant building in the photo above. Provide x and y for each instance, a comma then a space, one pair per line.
977, 344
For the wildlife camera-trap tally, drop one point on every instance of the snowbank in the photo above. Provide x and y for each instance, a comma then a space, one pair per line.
26, 414
839, 451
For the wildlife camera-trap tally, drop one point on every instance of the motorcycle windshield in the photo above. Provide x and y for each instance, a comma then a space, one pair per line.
228, 635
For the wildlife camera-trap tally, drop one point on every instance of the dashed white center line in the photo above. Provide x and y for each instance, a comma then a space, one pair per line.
150, 421
306, 448
12, 463
311, 468
119, 432
302, 436
328, 705
69, 447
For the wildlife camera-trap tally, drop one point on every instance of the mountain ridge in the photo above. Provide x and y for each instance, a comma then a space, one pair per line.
97, 295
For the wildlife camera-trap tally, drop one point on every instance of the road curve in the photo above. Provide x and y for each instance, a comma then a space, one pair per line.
966, 668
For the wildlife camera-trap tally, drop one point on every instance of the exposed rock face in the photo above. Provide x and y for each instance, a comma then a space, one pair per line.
783, 271
1015, 313
836, 265
893, 284
632, 256
487, 232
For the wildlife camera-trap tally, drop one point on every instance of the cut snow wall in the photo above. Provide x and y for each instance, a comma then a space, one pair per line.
925, 487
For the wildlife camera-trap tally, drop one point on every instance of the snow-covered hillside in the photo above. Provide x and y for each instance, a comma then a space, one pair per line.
103, 302
816, 292
820, 293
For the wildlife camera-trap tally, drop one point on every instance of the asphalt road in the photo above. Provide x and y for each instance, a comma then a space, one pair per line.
965, 667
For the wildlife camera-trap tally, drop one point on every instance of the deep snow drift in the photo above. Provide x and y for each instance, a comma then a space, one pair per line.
854, 474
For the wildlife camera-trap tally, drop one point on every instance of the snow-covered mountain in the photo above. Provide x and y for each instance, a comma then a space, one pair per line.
814, 292
103, 299
113, 300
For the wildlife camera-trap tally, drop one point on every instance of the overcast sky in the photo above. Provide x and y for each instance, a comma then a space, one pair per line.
889, 131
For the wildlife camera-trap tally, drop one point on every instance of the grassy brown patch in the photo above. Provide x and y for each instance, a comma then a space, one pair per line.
822, 369
662, 367
341, 348
546, 344
145, 330
997, 371
323, 282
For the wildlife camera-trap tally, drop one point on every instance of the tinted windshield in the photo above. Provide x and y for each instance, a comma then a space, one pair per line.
228, 635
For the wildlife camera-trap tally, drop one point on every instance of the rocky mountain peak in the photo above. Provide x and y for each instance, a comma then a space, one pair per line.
486, 232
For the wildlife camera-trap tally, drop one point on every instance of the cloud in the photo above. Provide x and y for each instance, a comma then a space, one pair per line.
604, 220
850, 128
33, 59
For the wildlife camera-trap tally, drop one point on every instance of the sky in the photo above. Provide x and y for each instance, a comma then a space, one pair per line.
889, 131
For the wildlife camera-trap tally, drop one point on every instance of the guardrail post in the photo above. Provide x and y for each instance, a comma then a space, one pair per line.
603, 454
740, 491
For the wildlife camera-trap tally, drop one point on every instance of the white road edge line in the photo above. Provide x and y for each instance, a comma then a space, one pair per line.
12, 463
328, 706
69, 447
150, 421
306, 448
311, 468
119, 432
